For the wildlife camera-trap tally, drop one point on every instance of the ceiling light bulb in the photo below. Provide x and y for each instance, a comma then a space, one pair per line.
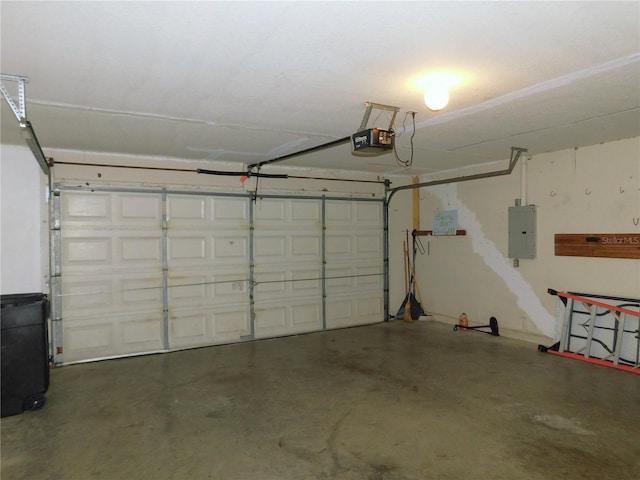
436, 97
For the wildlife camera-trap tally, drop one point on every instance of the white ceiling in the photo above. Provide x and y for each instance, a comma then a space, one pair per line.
249, 81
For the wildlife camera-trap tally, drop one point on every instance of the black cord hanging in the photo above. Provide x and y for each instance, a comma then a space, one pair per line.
406, 163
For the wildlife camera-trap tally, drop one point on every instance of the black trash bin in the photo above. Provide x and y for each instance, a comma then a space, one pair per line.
25, 360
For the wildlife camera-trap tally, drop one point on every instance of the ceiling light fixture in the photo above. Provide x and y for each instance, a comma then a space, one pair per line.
436, 86
436, 97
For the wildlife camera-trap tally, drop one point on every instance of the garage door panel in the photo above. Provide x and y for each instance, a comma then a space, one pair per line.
353, 215
84, 251
345, 311
368, 306
367, 278
232, 324
140, 292
107, 295
194, 327
274, 319
337, 213
270, 248
88, 293
368, 214
110, 250
86, 208
270, 320
138, 210
201, 212
354, 255
307, 315
190, 288
216, 248
231, 287
338, 279
189, 329
273, 212
231, 248
288, 282
140, 250
208, 269
307, 212
369, 244
140, 333
110, 336
339, 312
269, 283
231, 212
193, 249
187, 211
288, 266
270, 211
338, 245
108, 210
289, 248
364, 245
306, 246
111, 274
306, 281
84, 338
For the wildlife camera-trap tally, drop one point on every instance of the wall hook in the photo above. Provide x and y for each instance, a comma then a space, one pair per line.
587, 191
621, 190
636, 220
552, 193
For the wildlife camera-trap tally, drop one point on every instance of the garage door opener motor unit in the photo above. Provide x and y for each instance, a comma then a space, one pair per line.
374, 140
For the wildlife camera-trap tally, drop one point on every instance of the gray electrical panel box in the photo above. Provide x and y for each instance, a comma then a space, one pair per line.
522, 232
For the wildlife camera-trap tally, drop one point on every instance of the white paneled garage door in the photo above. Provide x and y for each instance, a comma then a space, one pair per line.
208, 268
354, 253
144, 272
288, 273
111, 248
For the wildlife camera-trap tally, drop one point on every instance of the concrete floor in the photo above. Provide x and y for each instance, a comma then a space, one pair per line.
388, 401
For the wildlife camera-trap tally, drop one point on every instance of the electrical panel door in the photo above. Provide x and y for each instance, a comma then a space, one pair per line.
522, 232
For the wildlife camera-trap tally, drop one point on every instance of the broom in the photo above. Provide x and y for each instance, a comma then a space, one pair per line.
407, 304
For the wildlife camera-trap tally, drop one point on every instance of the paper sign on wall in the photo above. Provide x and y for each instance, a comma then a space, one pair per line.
445, 222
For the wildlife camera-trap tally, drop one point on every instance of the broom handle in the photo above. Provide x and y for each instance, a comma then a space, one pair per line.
415, 283
407, 306
408, 259
406, 267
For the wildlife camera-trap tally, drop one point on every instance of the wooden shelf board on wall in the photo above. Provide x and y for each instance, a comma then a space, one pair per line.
421, 233
610, 245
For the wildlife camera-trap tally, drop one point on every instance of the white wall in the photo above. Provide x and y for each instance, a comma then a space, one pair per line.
23, 258
587, 190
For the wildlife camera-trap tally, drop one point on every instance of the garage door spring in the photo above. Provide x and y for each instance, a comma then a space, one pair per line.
243, 280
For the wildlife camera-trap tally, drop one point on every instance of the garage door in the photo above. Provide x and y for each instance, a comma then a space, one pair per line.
145, 272
112, 270
207, 270
288, 266
354, 253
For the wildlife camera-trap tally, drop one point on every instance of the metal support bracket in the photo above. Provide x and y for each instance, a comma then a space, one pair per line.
20, 112
386, 108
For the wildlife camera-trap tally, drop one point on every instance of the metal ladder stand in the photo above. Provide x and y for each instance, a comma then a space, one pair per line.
602, 338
